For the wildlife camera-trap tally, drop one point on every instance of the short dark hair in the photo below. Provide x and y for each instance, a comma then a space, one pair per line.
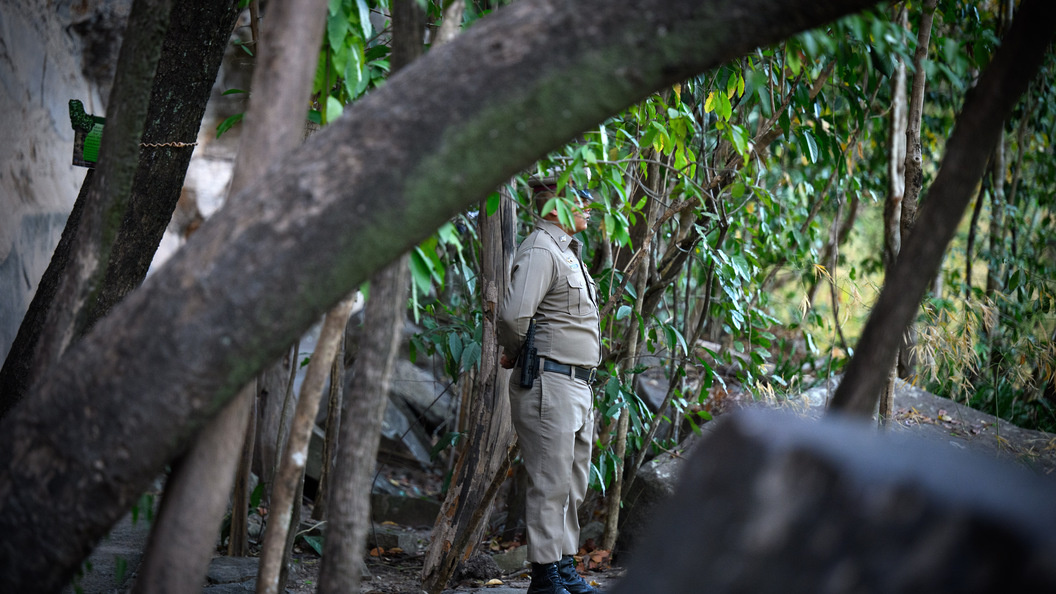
541, 197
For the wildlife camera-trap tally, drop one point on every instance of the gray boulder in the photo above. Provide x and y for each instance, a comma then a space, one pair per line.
771, 502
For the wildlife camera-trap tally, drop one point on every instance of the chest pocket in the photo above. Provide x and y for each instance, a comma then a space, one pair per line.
579, 302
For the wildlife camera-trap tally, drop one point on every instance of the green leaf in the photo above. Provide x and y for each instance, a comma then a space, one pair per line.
493, 203
337, 25
471, 355
226, 125
1015, 280
120, 568
315, 542
454, 346
739, 137
623, 312
420, 270
364, 19
333, 109
256, 496
449, 439
808, 144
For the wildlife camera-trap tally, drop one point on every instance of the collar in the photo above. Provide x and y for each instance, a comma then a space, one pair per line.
562, 239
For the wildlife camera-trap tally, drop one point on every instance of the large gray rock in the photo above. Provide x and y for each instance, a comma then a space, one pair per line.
653, 485
423, 393
772, 502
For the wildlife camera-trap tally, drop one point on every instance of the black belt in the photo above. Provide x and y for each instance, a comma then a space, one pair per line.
580, 373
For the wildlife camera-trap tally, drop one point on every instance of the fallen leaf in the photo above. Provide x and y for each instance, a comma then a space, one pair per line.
377, 552
493, 582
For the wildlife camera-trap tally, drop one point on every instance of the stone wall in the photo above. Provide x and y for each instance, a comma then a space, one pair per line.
50, 52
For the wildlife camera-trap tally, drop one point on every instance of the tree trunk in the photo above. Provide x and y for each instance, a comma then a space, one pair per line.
486, 451
170, 125
183, 536
367, 188
615, 494
360, 429
978, 127
56, 324
914, 175
331, 428
896, 173
295, 456
275, 388
283, 100
349, 497
238, 537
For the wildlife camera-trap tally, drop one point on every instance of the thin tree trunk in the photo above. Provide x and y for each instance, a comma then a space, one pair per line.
281, 86
906, 360
295, 456
331, 428
485, 454
238, 538
900, 212
349, 497
969, 250
615, 494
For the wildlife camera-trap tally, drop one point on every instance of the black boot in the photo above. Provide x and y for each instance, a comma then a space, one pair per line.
546, 579
574, 583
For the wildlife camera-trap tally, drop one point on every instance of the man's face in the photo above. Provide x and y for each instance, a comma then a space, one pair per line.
582, 213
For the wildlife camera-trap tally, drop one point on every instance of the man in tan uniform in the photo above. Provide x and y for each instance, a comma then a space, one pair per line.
554, 417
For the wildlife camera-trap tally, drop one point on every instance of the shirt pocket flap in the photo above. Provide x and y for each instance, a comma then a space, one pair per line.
576, 281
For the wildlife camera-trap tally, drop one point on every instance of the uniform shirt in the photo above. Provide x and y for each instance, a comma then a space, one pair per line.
548, 281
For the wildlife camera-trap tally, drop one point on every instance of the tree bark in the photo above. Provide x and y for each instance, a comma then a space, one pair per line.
486, 451
295, 456
187, 513
238, 536
178, 98
331, 427
978, 127
367, 396
905, 362
399, 163
184, 533
369, 393
615, 494
896, 173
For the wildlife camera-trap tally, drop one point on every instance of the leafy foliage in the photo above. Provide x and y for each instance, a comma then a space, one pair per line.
752, 169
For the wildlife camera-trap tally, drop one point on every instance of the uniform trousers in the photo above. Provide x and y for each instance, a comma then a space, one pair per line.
554, 420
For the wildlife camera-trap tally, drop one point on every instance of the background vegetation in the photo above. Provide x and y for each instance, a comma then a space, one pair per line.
758, 191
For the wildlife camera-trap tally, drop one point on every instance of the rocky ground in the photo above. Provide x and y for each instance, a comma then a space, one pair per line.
395, 566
